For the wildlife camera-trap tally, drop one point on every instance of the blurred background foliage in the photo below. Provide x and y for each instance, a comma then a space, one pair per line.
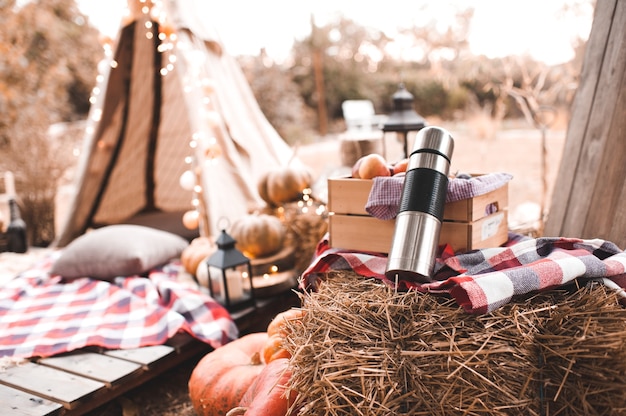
49, 56
48, 67
447, 81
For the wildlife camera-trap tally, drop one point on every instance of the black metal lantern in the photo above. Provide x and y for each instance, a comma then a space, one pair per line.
404, 118
230, 275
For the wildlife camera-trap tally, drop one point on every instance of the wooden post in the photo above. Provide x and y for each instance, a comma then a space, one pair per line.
589, 197
319, 88
318, 74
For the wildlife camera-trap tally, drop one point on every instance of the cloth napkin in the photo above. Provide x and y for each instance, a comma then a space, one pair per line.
483, 280
384, 197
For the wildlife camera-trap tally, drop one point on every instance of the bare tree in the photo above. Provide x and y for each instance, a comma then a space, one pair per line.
47, 69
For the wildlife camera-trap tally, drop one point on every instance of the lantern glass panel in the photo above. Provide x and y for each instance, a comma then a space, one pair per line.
231, 286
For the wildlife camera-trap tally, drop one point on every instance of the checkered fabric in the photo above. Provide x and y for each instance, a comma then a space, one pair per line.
483, 280
40, 316
386, 192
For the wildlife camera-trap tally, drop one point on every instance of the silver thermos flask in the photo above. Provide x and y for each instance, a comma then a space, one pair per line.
418, 223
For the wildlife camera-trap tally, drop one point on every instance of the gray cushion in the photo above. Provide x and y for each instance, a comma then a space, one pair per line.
117, 250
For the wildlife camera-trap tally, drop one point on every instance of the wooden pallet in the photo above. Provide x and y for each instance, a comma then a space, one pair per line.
75, 383
78, 382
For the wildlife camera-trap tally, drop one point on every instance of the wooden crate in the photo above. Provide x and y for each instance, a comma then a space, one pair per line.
466, 225
349, 196
366, 233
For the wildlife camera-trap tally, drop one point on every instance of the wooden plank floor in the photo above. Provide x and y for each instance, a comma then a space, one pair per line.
75, 383
80, 381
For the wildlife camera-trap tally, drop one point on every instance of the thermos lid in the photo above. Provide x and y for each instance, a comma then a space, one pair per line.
434, 139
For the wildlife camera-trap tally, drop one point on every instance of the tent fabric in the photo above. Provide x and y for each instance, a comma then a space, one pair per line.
161, 105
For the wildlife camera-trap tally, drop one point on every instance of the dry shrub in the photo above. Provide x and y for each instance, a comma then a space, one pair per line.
364, 349
306, 225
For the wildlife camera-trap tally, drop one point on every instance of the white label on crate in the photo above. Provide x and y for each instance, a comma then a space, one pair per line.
490, 226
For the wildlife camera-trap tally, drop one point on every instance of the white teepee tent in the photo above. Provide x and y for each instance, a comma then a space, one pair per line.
171, 103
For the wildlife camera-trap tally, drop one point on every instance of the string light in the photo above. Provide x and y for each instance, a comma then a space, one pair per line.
204, 146
97, 114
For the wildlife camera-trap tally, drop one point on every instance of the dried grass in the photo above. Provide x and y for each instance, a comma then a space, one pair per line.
305, 228
363, 349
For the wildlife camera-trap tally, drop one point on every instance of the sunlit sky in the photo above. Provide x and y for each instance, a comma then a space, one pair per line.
539, 28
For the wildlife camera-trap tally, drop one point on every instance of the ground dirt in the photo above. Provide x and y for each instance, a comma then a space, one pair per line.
516, 150
165, 395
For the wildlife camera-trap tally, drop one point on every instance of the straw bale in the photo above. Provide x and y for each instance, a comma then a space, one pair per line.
364, 349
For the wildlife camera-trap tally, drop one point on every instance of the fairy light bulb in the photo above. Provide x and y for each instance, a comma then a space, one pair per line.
213, 118
191, 219
97, 114
187, 180
208, 86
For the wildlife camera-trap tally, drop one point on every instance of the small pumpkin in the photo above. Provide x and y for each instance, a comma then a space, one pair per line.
277, 331
221, 378
199, 249
284, 184
278, 324
274, 349
258, 235
268, 395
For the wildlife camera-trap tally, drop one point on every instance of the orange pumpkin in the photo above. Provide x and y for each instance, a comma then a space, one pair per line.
258, 235
278, 325
284, 184
277, 331
222, 377
199, 249
267, 395
274, 349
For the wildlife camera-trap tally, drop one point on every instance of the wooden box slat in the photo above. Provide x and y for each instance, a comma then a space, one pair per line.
104, 368
50, 383
473, 209
349, 196
366, 233
19, 403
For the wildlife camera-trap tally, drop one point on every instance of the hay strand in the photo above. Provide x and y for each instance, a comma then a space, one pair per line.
364, 349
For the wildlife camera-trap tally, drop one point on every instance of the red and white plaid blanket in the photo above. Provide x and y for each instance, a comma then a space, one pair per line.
40, 316
482, 280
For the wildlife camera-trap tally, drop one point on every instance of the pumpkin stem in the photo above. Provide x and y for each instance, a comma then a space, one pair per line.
235, 411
